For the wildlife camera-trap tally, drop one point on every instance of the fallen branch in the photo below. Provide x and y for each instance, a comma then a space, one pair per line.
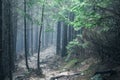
65, 75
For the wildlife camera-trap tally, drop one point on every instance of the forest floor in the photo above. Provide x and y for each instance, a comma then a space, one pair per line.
54, 68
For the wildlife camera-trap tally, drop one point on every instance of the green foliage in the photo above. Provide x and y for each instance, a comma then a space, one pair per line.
72, 45
85, 16
75, 44
71, 63
75, 47
86, 12
31, 3
28, 16
49, 29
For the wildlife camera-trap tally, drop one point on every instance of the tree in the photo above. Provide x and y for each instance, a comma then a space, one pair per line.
39, 45
10, 40
1, 50
25, 37
58, 45
64, 39
31, 34
14, 16
7, 40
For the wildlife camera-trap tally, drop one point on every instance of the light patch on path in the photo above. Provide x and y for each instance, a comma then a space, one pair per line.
46, 54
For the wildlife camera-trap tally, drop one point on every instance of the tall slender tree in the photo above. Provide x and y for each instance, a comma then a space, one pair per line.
58, 37
10, 40
25, 37
31, 35
1, 50
64, 39
39, 45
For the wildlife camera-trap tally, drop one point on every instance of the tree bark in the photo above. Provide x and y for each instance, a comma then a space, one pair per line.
31, 36
1, 50
64, 39
25, 37
58, 37
39, 45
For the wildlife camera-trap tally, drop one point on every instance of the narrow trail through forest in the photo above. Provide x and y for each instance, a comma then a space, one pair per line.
46, 56
49, 64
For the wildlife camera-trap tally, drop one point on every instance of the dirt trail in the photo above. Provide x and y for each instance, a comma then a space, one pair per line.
48, 62
46, 57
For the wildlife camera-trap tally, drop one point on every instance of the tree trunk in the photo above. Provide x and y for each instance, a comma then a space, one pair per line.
43, 33
25, 37
71, 33
1, 50
64, 39
58, 38
39, 45
14, 31
31, 36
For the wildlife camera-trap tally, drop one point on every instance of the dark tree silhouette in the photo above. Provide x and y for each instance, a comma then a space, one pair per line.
25, 37
39, 45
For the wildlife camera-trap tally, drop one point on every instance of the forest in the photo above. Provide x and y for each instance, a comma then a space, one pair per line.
59, 39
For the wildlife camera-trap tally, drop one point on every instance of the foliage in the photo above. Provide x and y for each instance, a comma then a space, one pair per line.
75, 47
71, 63
88, 13
101, 16
72, 45
101, 19
49, 29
